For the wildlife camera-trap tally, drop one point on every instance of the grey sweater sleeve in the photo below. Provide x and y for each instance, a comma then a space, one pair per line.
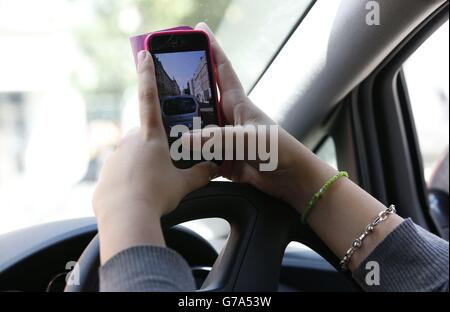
146, 268
408, 259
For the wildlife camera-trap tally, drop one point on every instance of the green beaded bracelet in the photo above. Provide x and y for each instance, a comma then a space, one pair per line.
317, 196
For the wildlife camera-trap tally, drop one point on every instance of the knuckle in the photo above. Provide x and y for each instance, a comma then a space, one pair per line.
240, 110
148, 93
153, 121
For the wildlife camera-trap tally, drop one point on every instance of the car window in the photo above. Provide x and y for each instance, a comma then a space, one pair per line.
327, 152
67, 87
427, 73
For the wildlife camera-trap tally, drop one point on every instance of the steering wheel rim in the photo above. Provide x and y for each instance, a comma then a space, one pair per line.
260, 228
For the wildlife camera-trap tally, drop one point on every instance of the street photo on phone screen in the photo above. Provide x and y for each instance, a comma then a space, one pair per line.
184, 88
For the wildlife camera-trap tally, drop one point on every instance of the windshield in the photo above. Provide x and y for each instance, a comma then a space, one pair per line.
178, 106
68, 87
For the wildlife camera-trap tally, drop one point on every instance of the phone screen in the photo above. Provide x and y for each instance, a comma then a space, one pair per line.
183, 75
185, 88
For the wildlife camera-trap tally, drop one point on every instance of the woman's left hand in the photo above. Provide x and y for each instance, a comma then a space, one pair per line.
139, 183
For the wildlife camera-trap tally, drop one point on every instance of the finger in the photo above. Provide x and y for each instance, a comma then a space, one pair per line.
131, 132
200, 174
149, 107
232, 142
228, 79
242, 172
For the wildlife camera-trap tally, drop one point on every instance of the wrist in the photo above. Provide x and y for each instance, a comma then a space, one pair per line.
120, 231
308, 175
122, 204
127, 223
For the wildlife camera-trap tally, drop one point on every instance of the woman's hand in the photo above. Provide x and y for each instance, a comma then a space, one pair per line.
299, 173
138, 183
341, 214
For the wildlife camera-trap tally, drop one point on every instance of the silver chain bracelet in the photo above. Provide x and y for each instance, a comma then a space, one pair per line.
357, 243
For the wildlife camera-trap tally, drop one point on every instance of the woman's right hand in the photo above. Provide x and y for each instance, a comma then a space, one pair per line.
338, 218
299, 172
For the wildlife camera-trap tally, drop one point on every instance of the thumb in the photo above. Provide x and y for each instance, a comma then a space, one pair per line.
200, 174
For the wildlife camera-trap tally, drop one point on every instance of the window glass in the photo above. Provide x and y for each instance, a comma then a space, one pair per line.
327, 152
427, 78
68, 87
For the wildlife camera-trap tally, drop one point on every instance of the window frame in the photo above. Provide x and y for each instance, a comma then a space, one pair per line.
375, 136
389, 153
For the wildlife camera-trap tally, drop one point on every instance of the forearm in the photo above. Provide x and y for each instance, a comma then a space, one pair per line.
133, 255
347, 210
118, 232
344, 211
146, 268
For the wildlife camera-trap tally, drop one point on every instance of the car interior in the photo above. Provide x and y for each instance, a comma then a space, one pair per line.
346, 98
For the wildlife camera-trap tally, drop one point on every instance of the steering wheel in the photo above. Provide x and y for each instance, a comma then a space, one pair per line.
260, 229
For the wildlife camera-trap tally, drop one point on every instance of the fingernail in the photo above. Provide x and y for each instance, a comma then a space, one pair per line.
142, 55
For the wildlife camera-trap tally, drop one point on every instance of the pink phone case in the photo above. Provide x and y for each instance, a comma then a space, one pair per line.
140, 42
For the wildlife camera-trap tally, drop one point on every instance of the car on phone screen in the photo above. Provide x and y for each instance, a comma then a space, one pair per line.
179, 110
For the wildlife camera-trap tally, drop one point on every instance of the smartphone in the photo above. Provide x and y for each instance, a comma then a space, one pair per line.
186, 80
